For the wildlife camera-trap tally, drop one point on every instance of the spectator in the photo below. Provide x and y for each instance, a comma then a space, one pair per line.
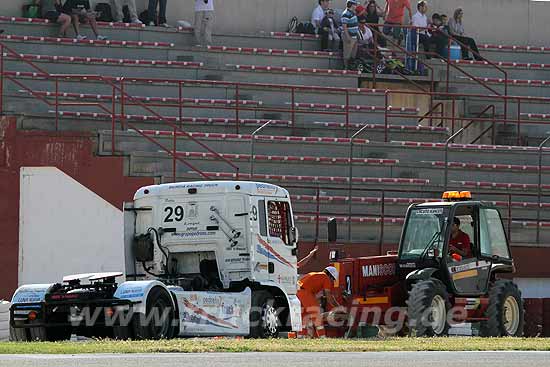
152, 12
395, 11
456, 29
372, 15
319, 14
330, 37
445, 21
204, 21
52, 10
439, 35
420, 19
79, 10
119, 14
350, 29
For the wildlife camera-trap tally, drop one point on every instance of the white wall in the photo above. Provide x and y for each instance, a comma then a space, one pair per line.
64, 228
4, 320
534, 287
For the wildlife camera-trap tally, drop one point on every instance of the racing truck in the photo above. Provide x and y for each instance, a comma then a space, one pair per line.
427, 285
208, 258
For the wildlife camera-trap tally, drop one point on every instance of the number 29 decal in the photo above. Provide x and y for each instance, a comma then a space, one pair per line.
173, 214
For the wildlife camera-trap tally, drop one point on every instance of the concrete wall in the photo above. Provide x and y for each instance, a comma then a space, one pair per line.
4, 320
64, 228
533, 287
511, 21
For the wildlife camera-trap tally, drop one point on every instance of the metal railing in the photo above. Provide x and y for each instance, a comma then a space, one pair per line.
113, 113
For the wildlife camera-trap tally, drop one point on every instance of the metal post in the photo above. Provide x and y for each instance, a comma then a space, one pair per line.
318, 214
375, 66
509, 215
447, 142
122, 109
293, 108
252, 146
350, 178
453, 111
237, 97
541, 147
386, 116
56, 103
448, 63
174, 154
347, 113
383, 207
1, 79
180, 103
519, 121
113, 119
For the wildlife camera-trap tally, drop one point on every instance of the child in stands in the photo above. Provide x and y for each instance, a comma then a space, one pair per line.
330, 36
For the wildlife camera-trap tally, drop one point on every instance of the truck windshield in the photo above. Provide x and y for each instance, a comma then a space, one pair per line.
425, 229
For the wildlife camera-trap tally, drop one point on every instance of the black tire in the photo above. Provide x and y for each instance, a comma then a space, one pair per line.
264, 317
428, 299
158, 322
124, 331
49, 334
19, 334
503, 294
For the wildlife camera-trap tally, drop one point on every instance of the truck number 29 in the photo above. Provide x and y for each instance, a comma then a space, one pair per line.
173, 214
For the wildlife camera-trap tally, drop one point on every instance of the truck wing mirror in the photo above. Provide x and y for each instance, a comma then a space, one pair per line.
294, 235
332, 228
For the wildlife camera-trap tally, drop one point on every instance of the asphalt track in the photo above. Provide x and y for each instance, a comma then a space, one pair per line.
378, 359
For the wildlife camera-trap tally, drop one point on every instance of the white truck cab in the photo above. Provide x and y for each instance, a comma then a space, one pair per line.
216, 257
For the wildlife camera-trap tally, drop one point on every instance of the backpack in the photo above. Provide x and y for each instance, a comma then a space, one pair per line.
305, 27
31, 11
104, 11
292, 25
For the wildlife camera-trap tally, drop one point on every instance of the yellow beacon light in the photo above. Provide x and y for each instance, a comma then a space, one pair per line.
457, 195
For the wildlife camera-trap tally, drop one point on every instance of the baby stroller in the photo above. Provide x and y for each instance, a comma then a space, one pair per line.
364, 60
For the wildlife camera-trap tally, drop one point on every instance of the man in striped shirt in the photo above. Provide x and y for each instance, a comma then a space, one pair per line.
350, 26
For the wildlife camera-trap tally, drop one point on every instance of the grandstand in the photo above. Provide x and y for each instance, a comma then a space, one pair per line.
146, 106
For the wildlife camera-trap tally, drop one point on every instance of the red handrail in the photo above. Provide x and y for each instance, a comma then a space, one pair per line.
108, 81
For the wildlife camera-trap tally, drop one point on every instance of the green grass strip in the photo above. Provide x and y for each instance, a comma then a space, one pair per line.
202, 345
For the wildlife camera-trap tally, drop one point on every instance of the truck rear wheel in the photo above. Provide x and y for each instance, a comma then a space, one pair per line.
49, 334
428, 305
505, 311
18, 334
264, 317
158, 321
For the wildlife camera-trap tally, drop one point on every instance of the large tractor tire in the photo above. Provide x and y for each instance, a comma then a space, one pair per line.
264, 317
505, 314
158, 321
49, 334
427, 309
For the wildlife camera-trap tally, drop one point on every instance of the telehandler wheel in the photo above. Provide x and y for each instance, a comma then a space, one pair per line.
428, 305
158, 321
264, 317
505, 312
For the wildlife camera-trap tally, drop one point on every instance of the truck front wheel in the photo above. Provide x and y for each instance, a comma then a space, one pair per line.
264, 316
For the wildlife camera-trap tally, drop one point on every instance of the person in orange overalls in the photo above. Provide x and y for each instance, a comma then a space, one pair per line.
311, 288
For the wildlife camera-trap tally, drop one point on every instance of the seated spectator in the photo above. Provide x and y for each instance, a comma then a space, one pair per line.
420, 19
52, 10
319, 13
456, 29
445, 21
118, 14
329, 32
439, 35
395, 13
152, 11
80, 12
350, 28
373, 15
364, 36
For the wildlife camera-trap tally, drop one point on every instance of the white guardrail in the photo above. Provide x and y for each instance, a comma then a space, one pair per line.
4, 320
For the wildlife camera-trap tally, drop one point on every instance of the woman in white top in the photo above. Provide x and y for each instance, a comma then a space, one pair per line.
456, 29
